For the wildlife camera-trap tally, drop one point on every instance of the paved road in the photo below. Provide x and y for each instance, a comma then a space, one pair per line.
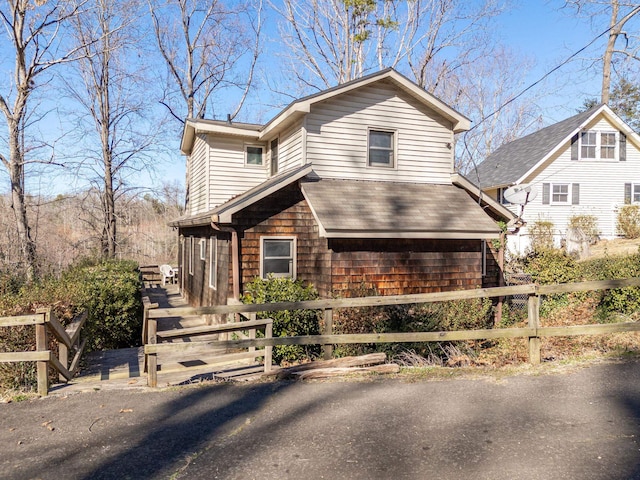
582, 424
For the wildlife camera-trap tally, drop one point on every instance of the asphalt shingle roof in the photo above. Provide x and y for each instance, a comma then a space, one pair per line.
347, 207
512, 160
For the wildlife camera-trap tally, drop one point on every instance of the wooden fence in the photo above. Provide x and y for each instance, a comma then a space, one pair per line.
533, 331
246, 328
68, 339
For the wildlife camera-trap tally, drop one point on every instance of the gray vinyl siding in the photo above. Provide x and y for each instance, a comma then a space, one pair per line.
337, 135
228, 175
601, 186
290, 148
198, 176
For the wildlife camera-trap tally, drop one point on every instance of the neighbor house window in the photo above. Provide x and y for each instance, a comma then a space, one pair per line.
596, 145
253, 155
560, 193
213, 263
278, 257
381, 148
203, 249
501, 199
483, 252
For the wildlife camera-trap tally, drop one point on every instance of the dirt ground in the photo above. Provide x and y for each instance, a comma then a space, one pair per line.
621, 246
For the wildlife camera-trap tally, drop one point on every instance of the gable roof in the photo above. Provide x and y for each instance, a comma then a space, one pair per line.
511, 163
298, 108
369, 209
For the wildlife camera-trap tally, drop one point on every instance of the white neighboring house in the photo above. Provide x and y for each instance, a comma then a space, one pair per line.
588, 164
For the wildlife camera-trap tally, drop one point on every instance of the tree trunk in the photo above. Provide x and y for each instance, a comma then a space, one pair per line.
16, 170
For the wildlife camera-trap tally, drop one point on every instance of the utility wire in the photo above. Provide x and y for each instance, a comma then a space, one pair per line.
512, 99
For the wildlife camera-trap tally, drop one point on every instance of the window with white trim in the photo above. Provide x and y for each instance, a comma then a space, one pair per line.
278, 257
253, 155
560, 193
191, 254
213, 263
595, 145
381, 148
203, 249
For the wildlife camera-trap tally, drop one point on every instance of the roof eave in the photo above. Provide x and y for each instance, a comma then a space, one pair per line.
396, 234
462, 182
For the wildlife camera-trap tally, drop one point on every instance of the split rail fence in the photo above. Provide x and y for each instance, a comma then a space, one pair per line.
533, 332
68, 340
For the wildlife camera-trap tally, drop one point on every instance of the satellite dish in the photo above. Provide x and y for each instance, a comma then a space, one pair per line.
520, 194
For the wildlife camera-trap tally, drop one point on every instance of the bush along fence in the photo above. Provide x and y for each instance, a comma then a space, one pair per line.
533, 332
67, 339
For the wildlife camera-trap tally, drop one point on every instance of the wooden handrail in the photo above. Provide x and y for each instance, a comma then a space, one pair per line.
45, 321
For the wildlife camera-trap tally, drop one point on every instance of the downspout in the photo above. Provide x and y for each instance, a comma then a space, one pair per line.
235, 256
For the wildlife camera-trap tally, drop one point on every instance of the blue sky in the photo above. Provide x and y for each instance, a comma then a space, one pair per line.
539, 30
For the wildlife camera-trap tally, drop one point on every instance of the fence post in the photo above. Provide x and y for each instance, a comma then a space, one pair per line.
63, 354
152, 358
252, 331
534, 322
327, 349
268, 350
41, 345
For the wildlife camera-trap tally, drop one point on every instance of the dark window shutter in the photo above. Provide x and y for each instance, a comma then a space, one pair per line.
546, 191
575, 194
627, 193
574, 147
623, 147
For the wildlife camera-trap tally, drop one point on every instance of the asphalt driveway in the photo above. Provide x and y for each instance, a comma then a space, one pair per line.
579, 424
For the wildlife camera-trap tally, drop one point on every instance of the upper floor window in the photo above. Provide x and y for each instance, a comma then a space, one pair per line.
595, 145
253, 155
382, 148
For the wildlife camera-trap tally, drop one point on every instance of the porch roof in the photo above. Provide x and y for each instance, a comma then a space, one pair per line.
366, 209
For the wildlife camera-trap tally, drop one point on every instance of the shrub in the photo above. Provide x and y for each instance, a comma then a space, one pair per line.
287, 323
426, 317
109, 291
628, 222
541, 234
617, 301
588, 224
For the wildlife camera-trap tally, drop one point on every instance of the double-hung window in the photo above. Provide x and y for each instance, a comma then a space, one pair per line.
596, 145
278, 257
381, 149
560, 193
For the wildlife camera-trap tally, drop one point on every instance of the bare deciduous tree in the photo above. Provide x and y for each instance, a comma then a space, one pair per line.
33, 40
209, 47
334, 41
619, 13
111, 113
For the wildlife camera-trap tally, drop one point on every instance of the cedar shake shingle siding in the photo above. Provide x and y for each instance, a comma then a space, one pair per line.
403, 267
285, 213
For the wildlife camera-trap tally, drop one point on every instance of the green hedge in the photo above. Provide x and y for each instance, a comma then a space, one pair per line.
287, 323
108, 290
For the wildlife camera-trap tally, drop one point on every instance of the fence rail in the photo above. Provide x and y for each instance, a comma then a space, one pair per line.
68, 339
533, 332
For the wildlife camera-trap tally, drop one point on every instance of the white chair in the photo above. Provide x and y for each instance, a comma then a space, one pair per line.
167, 272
